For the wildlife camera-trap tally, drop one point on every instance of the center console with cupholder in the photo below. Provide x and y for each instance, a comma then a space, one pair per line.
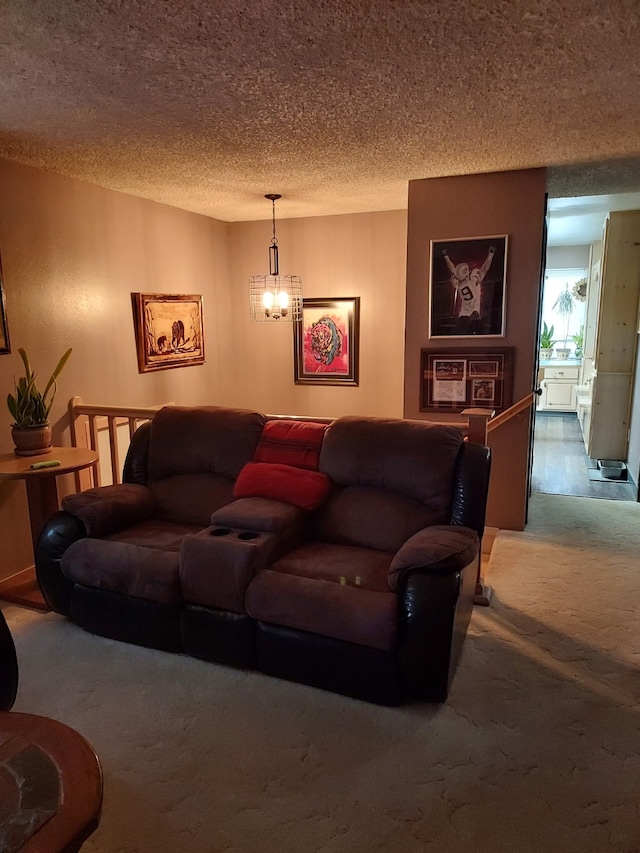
218, 563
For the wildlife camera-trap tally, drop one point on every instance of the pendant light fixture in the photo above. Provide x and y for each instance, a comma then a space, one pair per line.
275, 297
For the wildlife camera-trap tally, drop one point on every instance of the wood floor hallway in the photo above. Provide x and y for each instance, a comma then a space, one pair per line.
561, 465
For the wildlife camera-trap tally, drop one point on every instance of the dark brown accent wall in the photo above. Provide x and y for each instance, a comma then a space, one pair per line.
511, 203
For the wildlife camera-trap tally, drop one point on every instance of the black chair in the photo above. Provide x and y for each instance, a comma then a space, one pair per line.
8, 667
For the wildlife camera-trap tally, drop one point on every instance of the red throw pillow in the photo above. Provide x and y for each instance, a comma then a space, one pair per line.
290, 442
306, 489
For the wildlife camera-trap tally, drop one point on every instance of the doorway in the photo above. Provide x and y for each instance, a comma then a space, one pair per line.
560, 462
560, 465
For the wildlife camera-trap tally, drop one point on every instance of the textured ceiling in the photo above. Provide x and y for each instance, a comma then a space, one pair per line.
335, 104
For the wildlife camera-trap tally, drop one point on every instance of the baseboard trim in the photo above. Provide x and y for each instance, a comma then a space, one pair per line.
22, 588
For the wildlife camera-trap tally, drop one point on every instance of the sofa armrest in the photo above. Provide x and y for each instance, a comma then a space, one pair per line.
438, 550
434, 574
435, 610
110, 508
58, 533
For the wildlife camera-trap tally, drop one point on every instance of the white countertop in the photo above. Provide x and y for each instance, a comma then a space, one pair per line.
560, 362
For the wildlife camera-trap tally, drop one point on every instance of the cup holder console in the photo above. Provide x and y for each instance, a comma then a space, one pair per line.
243, 536
218, 563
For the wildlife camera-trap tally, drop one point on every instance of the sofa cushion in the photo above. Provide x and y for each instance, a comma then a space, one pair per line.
297, 486
361, 567
161, 535
202, 439
371, 518
325, 607
190, 498
145, 573
414, 458
290, 442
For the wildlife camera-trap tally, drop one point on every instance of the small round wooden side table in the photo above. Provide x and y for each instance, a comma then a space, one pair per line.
50, 786
42, 496
42, 492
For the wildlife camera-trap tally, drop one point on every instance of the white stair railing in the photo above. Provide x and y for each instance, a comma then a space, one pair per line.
90, 423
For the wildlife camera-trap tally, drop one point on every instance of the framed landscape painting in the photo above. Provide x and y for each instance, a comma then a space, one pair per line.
326, 342
169, 330
467, 287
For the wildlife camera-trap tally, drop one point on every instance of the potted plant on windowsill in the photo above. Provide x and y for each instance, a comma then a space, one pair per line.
578, 341
546, 341
30, 409
564, 305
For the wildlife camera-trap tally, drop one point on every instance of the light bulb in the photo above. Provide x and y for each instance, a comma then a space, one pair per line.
267, 299
283, 299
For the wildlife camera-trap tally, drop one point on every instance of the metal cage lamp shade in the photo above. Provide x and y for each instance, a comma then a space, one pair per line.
275, 297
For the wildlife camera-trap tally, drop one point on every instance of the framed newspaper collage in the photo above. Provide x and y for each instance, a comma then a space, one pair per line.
455, 379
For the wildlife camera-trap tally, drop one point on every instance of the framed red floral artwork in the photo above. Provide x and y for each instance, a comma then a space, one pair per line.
326, 342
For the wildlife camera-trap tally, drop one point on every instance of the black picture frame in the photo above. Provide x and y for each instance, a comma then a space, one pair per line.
467, 287
326, 342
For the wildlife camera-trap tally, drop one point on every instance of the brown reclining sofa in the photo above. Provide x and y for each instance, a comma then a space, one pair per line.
340, 555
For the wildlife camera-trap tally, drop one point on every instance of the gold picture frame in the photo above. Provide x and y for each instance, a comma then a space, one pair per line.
169, 330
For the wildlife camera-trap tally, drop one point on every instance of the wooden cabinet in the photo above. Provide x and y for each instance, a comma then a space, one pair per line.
615, 338
583, 410
558, 383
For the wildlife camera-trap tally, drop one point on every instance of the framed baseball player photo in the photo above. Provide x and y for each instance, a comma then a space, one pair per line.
467, 287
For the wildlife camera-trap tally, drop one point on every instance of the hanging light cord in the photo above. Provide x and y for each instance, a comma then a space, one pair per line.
274, 268
274, 239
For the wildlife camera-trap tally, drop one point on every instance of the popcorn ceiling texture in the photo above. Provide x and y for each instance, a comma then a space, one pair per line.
335, 104
536, 750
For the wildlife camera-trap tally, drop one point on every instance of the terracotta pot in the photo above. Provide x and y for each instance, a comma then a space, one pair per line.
31, 440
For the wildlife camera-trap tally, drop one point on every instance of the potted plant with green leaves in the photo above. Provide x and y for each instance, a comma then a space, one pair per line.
564, 305
30, 409
546, 341
578, 342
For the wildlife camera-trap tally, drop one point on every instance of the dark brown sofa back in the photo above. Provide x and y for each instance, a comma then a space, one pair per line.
194, 457
393, 477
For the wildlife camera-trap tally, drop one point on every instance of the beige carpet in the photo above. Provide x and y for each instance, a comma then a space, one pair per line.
538, 748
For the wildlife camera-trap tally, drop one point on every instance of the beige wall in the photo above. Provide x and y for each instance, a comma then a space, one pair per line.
73, 253
510, 203
359, 255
